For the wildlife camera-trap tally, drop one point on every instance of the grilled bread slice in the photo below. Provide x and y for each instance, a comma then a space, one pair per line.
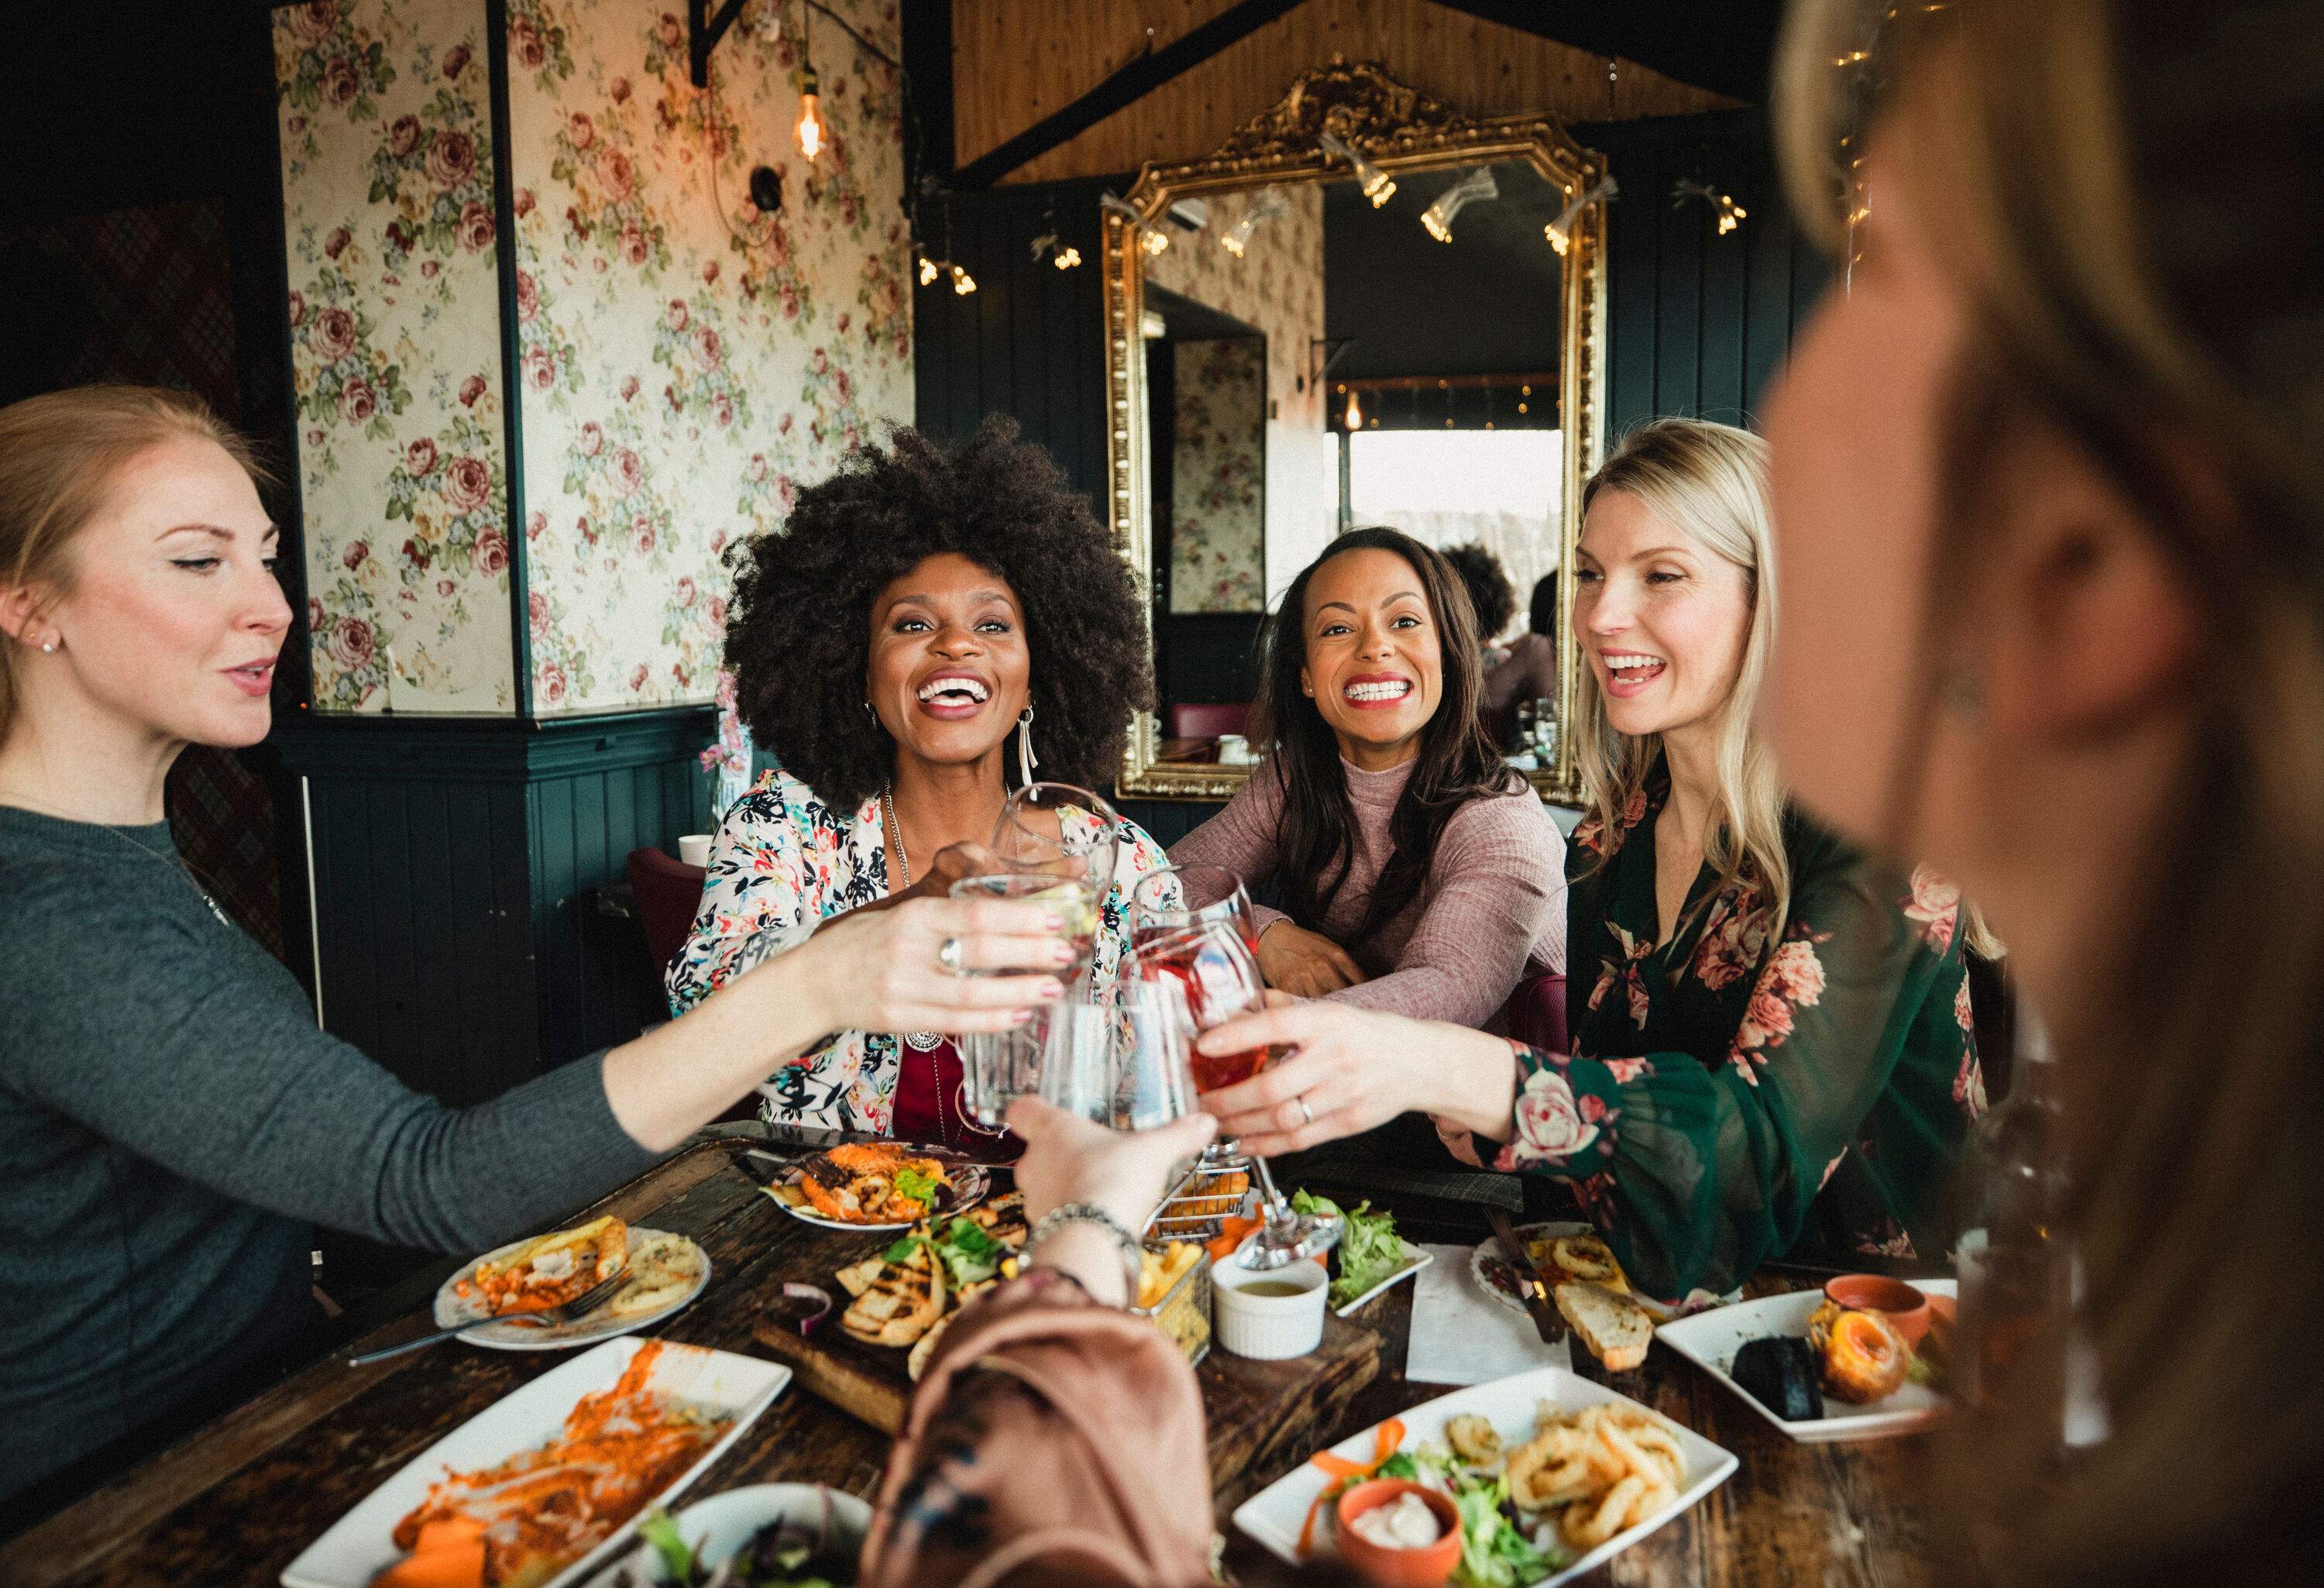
1615, 1328
903, 1303
1002, 1218
552, 1270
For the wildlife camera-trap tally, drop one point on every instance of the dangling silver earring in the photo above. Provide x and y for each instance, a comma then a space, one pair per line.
1024, 761
1963, 692
872, 712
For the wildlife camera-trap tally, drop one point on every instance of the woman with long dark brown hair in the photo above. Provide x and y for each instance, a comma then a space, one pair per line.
1417, 874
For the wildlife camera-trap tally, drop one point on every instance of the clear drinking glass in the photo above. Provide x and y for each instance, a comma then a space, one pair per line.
1058, 831
1163, 902
1218, 975
1070, 897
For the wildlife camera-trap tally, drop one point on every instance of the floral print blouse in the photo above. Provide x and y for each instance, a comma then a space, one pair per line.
783, 863
1728, 1099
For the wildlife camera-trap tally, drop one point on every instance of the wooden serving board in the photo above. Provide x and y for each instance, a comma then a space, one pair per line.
1260, 1413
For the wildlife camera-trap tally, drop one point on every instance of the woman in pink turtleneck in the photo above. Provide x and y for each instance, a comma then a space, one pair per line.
1418, 873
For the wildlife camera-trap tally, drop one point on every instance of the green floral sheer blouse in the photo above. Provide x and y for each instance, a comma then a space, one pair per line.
1730, 1099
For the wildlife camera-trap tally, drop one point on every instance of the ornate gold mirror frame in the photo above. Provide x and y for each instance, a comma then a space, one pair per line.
1399, 129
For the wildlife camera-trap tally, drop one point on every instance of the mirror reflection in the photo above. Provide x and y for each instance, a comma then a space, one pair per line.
1324, 354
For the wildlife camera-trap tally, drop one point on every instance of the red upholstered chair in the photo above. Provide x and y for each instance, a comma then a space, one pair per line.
1535, 1014
1207, 722
669, 891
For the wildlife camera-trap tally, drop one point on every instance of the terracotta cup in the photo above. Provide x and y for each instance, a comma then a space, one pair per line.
1906, 1307
1428, 1566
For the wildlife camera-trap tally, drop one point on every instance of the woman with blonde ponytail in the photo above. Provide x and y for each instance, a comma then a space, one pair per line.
1771, 1047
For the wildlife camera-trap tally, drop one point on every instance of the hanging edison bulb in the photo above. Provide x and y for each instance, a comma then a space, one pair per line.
812, 134
1353, 419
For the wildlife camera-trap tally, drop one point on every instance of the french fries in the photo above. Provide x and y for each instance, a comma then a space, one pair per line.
1158, 1272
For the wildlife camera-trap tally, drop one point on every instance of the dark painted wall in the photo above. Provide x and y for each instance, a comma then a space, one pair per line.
1699, 322
456, 867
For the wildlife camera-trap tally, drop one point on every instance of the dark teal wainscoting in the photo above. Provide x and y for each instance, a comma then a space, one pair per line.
457, 938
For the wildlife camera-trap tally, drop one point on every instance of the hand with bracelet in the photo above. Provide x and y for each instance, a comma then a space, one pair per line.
1120, 1176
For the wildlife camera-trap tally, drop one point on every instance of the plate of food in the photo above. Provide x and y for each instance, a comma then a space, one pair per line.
762, 1536
1594, 1296
543, 1486
1550, 1475
665, 1271
1820, 1372
904, 1295
878, 1185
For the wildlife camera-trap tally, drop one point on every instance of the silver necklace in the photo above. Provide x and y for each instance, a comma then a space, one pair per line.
175, 863
918, 1041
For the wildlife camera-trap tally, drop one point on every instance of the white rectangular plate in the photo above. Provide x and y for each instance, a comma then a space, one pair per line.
1274, 1514
1415, 1259
361, 1544
1709, 1339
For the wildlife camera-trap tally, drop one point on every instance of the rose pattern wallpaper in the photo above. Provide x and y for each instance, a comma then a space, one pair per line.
1218, 495
387, 179
1277, 286
683, 361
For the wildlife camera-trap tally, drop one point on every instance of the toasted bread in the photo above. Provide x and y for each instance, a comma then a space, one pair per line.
552, 1270
1585, 1258
902, 1303
1615, 1328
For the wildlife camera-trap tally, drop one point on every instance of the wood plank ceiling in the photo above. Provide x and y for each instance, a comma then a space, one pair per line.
1015, 62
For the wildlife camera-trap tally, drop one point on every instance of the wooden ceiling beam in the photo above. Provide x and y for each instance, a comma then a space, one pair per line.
1123, 87
1726, 46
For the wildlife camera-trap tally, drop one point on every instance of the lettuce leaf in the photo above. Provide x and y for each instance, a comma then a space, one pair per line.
918, 1184
1369, 1248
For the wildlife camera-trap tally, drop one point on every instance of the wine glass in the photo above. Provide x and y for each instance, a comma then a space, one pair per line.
1165, 901
1070, 836
1214, 966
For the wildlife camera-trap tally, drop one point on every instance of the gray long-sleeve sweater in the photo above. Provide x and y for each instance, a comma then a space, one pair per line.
172, 1122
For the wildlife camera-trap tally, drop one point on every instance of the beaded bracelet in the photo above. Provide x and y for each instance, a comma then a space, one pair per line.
1090, 1213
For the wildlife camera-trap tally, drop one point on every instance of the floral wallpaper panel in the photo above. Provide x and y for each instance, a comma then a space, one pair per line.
686, 362
1277, 286
387, 188
1218, 488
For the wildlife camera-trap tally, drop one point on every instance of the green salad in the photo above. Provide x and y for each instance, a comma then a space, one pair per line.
968, 1253
1369, 1248
787, 1553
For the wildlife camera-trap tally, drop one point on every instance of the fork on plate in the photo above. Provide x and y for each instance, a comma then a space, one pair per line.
553, 1318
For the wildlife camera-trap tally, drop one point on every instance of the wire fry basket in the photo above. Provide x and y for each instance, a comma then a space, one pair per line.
1199, 1206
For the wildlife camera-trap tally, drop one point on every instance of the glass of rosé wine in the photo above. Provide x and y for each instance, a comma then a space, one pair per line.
1213, 964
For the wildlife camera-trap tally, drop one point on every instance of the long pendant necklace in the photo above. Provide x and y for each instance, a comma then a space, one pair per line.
928, 1042
173, 862
919, 1041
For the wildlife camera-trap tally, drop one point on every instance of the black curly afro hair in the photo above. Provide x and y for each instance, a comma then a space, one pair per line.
1490, 596
799, 641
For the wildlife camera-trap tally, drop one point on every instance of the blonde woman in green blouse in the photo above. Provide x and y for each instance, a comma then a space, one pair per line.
1770, 1030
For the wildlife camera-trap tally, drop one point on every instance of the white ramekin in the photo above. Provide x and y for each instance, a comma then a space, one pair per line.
1268, 1327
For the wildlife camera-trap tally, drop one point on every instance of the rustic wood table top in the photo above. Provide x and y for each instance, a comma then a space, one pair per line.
236, 1500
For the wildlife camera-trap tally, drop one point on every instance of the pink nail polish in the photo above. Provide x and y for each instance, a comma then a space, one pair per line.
1051, 991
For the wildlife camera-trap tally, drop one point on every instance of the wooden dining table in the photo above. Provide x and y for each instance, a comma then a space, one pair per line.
236, 1501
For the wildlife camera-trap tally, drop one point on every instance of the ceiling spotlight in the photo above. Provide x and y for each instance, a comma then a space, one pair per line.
1560, 232
962, 283
1270, 205
1729, 213
1374, 183
1438, 217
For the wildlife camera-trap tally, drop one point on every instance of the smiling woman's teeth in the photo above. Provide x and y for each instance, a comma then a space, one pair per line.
1631, 669
1397, 690
956, 689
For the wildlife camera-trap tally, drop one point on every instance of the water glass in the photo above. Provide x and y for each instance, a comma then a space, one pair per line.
1178, 898
1061, 830
1070, 897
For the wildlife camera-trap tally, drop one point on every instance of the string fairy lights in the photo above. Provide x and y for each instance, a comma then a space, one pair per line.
1560, 232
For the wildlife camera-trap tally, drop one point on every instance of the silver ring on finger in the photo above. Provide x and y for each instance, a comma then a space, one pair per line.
949, 955
1306, 1109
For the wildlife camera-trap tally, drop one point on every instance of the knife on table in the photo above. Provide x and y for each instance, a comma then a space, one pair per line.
1547, 1321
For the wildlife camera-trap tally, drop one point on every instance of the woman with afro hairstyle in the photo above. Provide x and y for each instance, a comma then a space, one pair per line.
920, 607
